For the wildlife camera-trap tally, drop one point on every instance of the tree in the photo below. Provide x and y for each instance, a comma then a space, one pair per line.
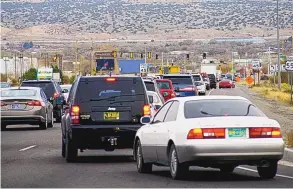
72, 79
65, 79
31, 74
3, 78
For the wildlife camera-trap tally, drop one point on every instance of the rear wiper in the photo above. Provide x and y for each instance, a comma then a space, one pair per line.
122, 101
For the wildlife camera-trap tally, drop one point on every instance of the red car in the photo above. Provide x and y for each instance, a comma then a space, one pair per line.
166, 88
226, 83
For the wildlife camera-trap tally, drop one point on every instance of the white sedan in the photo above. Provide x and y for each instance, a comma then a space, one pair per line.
209, 131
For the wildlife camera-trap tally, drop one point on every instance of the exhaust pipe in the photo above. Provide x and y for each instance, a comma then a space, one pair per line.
264, 163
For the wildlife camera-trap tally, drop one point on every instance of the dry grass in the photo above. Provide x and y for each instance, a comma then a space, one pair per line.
289, 138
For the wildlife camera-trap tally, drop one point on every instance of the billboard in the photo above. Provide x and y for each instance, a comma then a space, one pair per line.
45, 73
104, 64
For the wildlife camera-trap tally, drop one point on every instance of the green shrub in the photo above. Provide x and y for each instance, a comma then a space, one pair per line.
286, 87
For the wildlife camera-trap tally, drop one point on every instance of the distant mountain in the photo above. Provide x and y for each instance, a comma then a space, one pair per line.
144, 16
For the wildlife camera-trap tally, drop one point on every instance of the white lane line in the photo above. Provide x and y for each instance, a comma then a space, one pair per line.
252, 170
27, 148
210, 92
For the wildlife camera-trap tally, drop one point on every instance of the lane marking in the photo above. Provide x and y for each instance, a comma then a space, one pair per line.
27, 148
252, 170
210, 92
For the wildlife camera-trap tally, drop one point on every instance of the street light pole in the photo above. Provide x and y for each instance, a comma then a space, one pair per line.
278, 41
6, 70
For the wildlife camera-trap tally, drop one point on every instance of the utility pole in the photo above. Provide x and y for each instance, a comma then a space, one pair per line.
15, 71
6, 59
91, 58
21, 64
278, 40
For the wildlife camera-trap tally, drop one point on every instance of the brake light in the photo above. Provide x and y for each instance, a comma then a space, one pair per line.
146, 110
56, 95
265, 132
35, 103
173, 95
206, 133
110, 79
3, 104
74, 113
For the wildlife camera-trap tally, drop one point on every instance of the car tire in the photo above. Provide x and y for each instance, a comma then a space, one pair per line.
59, 116
177, 170
227, 169
51, 124
44, 125
268, 172
70, 150
63, 147
142, 167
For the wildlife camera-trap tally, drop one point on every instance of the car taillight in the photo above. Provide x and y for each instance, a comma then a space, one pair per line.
265, 132
56, 95
173, 95
110, 79
35, 103
3, 104
74, 113
146, 110
206, 133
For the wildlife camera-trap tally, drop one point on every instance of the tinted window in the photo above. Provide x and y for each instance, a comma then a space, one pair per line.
218, 108
155, 98
164, 85
159, 117
98, 88
196, 77
172, 113
198, 83
212, 77
18, 93
180, 79
150, 86
48, 87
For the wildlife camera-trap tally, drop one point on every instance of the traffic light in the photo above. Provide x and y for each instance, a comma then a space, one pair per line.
187, 56
131, 55
157, 56
149, 55
204, 55
141, 56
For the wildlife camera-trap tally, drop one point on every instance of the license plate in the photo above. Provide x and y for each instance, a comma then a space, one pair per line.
111, 115
237, 132
15, 106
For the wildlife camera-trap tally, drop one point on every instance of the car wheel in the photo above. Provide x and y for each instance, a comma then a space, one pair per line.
63, 147
59, 116
44, 125
227, 169
142, 167
268, 172
70, 150
177, 170
51, 124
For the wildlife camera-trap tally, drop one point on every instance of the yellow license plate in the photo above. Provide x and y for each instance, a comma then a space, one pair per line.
111, 115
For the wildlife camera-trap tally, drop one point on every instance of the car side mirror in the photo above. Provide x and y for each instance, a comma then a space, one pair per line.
145, 120
158, 107
151, 99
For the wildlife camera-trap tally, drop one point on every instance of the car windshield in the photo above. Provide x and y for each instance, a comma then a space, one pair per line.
48, 87
155, 98
176, 80
196, 77
18, 93
198, 83
5, 85
219, 108
163, 85
150, 86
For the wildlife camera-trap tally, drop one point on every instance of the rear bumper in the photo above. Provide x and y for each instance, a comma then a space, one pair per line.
29, 119
238, 151
97, 137
225, 86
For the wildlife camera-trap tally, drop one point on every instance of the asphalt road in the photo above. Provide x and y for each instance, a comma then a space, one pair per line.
32, 158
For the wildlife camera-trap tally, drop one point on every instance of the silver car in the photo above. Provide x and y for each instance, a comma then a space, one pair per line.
65, 90
25, 105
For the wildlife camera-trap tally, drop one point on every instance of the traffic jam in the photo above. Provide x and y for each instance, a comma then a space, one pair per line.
167, 120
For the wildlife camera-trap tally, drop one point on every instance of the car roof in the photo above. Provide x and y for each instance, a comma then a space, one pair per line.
176, 75
15, 88
104, 76
45, 80
212, 97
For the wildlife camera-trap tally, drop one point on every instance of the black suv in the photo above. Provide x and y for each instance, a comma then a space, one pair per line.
53, 92
103, 112
213, 81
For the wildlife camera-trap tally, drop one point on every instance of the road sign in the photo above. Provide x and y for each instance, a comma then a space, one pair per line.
289, 66
45, 73
249, 80
275, 68
105, 54
256, 65
143, 68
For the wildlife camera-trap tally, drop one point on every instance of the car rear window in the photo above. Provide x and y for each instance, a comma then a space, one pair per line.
5, 85
150, 86
48, 87
180, 79
219, 108
18, 93
164, 85
196, 77
97, 89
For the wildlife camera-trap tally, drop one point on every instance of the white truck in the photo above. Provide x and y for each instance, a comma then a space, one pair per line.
209, 69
